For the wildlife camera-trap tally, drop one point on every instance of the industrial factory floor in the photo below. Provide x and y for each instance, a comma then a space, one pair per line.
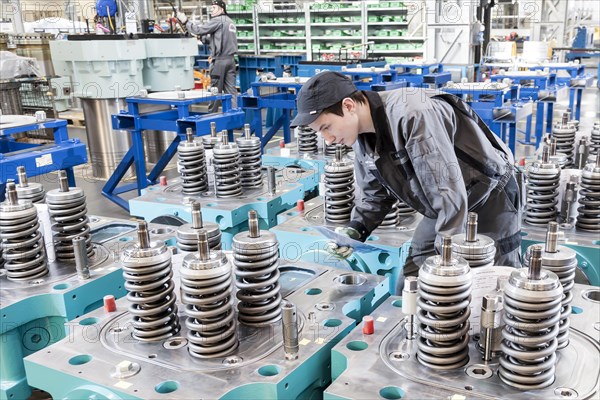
99, 205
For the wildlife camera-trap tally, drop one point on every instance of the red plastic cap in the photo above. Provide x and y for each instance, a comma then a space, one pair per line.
522, 162
368, 325
110, 305
300, 205
163, 180
282, 143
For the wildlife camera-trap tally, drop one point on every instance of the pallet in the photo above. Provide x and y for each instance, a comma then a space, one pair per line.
74, 116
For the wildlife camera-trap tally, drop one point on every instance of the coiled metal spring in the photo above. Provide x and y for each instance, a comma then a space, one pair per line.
23, 251
30, 191
443, 312
478, 250
391, 219
206, 290
564, 133
339, 188
148, 273
588, 217
563, 262
307, 140
187, 239
542, 191
532, 303
256, 260
250, 160
227, 168
595, 139
68, 210
330, 149
210, 141
192, 165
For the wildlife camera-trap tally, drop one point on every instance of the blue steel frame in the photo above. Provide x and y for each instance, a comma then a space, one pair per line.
380, 81
423, 75
544, 92
176, 119
498, 108
65, 153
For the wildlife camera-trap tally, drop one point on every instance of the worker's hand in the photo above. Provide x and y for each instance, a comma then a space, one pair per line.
182, 17
342, 252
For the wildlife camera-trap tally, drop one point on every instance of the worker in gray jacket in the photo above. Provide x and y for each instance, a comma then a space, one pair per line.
426, 148
220, 33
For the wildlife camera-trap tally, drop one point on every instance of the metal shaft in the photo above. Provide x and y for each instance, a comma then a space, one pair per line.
197, 222
545, 154
447, 250
581, 153
409, 304
81, 258
290, 330
143, 235
224, 137
552, 237
23, 181
565, 117
189, 134
63, 181
553, 147
339, 152
535, 265
203, 248
213, 129
11, 194
471, 227
253, 228
271, 183
490, 317
247, 131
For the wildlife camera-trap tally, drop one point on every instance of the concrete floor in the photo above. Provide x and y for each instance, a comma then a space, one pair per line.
99, 205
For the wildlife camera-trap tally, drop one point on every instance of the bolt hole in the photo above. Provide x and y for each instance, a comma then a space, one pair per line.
152, 356
469, 387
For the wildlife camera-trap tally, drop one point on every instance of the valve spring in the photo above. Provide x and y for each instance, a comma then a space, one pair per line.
206, 290
23, 252
404, 209
192, 166
339, 190
532, 305
588, 217
227, 169
30, 191
68, 210
563, 263
479, 250
542, 193
565, 140
330, 149
210, 141
148, 273
595, 139
256, 261
307, 140
444, 295
250, 162
187, 234
391, 219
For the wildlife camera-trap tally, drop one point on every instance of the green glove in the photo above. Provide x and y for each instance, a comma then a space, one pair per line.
342, 252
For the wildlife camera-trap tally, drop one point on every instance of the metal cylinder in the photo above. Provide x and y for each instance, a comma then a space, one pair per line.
271, 181
256, 261
206, 290
147, 271
22, 243
565, 133
106, 146
490, 336
409, 304
289, 321
209, 141
187, 233
68, 211
227, 169
588, 217
531, 317
567, 208
253, 229
30, 191
542, 191
478, 250
581, 153
156, 144
81, 258
191, 162
444, 295
250, 160
339, 190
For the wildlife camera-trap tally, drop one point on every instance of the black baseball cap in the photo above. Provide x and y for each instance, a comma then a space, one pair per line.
320, 92
221, 4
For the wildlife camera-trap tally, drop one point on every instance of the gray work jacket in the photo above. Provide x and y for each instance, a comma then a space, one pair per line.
430, 150
222, 31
